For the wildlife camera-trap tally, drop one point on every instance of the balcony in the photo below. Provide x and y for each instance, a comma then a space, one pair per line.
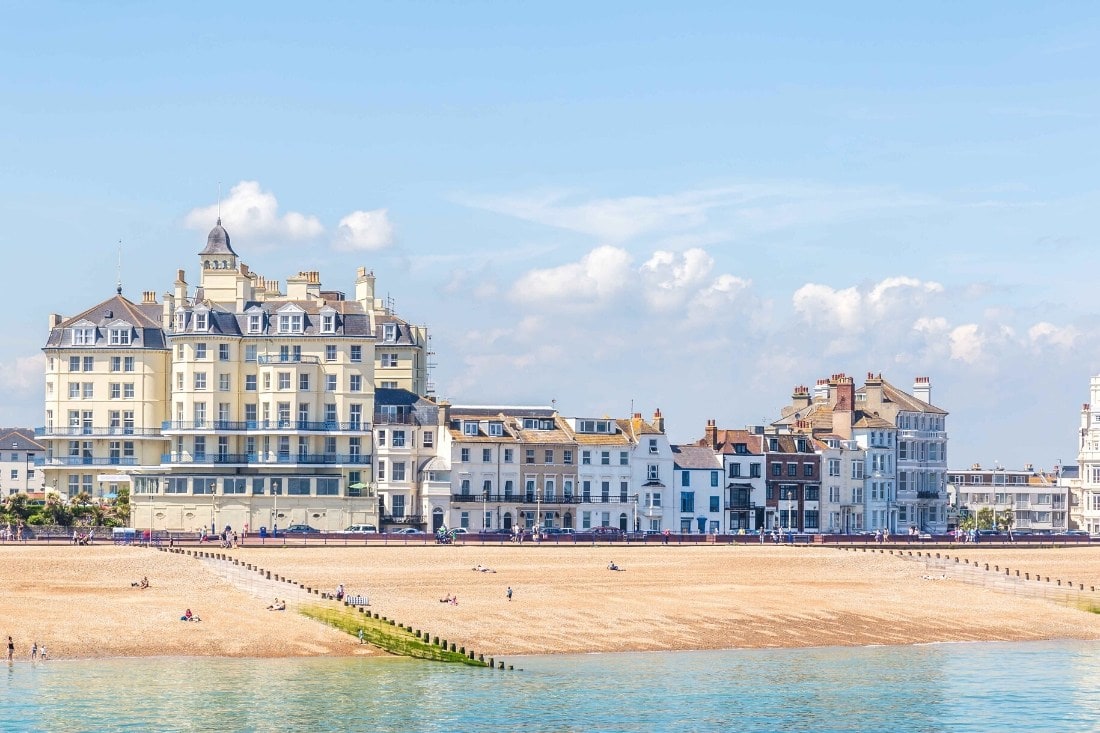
84, 461
386, 418
300, 459
287, 359
264, 425
98, 432
739, 506
922, 434
535, 499
411, 519
931, 494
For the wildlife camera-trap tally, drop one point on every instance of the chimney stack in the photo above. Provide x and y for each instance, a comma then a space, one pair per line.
922, 389
658, 421
712, 435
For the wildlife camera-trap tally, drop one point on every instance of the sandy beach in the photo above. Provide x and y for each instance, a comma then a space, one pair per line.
79, 601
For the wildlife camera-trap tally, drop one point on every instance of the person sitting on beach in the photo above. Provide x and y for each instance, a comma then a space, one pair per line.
187, 616
482, 569
274, 606
281, 605
612, 566
446, 599
340, 592
144, 582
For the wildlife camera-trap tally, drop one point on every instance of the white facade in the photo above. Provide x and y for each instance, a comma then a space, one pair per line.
19, 453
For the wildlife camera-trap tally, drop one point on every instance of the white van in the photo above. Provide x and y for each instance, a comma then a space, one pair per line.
361, 529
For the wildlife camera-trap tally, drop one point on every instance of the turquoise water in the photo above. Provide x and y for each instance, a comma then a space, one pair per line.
1045, 686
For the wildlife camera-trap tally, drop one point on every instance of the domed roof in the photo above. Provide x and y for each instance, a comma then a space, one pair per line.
217, 242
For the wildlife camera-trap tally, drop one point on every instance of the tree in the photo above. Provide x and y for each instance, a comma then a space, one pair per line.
985, 518
1005, 520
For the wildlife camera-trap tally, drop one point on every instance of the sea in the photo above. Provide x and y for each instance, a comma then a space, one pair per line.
1032, 686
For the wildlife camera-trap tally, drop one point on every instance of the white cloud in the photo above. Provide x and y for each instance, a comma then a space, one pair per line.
966, 343
821, 305
23, 375
252, 212
364, 231
854, 309
599, 276
1047, 334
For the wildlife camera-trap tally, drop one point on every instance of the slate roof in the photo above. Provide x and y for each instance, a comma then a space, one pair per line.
217, 242
694, 456
904, 400
144, 317
20, 439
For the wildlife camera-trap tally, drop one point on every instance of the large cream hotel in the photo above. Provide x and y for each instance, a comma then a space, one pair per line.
231, 403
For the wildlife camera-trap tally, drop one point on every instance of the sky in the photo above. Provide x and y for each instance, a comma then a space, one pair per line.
606, 207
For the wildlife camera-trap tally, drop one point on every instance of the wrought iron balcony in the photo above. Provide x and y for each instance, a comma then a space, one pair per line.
98, 432
265, 425
84, 461
536, 499
308, 459
286, 359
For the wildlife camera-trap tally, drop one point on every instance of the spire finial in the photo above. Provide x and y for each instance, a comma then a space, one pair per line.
118, 285
219, 203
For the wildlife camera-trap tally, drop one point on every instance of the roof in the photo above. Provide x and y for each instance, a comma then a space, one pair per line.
695, 456
145, 318
904, 400
19, 439
728, 440
217, 242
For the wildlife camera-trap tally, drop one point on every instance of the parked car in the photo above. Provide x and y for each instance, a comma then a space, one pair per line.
361, 529
407, 530
459, 530
301, 529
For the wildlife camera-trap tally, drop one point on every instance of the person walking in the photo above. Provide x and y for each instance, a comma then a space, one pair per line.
361, 636
508, 593
34, 652
11, 649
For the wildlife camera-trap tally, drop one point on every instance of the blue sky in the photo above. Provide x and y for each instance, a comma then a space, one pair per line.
691, 207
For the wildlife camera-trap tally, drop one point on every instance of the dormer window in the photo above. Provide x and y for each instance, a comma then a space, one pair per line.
593, 426
496, 429
290, 323
202, 321
652, 445
740, 448
469, 427
84, 336
389, 332
119, 336
328, 323
181, 319
255, 322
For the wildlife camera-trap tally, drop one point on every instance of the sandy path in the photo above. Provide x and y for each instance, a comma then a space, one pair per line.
79, 602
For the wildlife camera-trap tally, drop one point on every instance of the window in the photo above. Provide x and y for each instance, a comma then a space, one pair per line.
116, 363
290, 323
714, 505
328, 487
330, 382
200, 351
200, 380
250, 383
87, 391
548, 456
713, 478
389, 332
792, 469
834, 466
508, 455
685, 478
605, 458
429, 439
119, 336
857, 469
389, 360
687, 501
114, 390
330, 352
356, 353
777, 469
356, 383
735, 470
586, 457
284, 380
297, 486
303, 382
201, 321
567, 457
328, 323
83, 336
223, 382
653, 472
529, 455
128, 391
255, 322
250, 352
652, 445
469, 427
624, 458
234, 485
74, 364
808, 470
202, 485
398, 439
398, 471
74, 390
496, 429
486, 455
464, 455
